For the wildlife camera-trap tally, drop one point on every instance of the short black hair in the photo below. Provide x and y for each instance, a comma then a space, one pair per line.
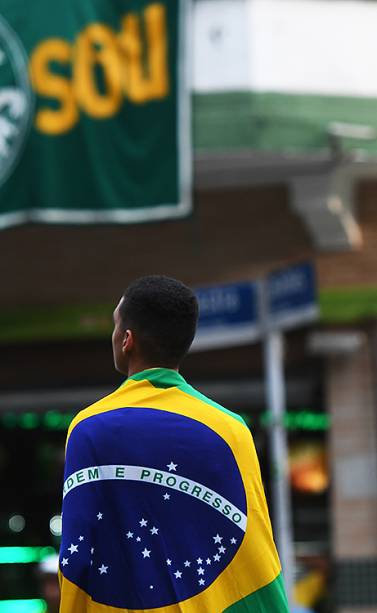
163, 312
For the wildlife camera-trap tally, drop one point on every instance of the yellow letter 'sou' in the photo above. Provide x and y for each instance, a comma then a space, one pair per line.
97, 46
51, 85
146, 75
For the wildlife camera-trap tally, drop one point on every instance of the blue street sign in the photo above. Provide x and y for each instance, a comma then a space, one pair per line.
228, 314
291, 296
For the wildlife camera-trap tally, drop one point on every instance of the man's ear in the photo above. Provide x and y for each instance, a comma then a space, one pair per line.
128, 341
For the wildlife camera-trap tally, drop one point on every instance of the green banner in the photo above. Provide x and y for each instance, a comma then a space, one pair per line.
94, 111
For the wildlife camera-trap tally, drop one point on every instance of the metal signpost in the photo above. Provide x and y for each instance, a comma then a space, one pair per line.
288, 300
247, 312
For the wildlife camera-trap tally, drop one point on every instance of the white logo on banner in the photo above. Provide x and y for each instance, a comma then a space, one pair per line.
15, 99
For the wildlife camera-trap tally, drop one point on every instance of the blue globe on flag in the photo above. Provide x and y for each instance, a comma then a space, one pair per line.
156, 521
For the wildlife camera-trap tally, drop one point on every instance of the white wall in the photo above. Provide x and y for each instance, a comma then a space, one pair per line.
297, 46
221, 45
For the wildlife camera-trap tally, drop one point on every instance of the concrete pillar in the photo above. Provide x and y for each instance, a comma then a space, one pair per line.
351, 397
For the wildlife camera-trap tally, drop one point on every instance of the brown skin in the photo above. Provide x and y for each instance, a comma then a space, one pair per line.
127, 355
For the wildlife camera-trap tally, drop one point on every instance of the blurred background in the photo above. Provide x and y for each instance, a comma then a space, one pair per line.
227, 143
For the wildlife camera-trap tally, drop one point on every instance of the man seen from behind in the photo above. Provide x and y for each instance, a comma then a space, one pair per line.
163, 504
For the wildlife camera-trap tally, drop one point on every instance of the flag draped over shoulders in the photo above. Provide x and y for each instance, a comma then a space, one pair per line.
163, 507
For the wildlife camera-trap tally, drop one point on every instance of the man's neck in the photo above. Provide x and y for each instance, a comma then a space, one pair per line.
133, 369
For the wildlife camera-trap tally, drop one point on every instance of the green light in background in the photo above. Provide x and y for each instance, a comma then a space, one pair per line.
300, 420
24, 555
56, 420
34, 605
307, 420
53, 420
29, 421
46, 552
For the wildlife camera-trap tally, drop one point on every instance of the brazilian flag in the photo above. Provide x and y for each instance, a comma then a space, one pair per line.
164, 508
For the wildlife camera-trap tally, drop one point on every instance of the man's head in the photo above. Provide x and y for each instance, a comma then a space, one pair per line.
154, 324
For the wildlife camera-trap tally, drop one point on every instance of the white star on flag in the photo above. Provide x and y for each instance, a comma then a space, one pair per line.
178, 574
146, 553
73, 548
81, 538
166, 496
130, 535
103, 569
91, 562
168, 562
222, 549
99, 516
154, 530
64, 561
199, 561
200, 570
217, 558
138, 539
187, 564
151, 587
172, 466
92, 550
233, 541
208, 561
201, 582
143, 522
217, 538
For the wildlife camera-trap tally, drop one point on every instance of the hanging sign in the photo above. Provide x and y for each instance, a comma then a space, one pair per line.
94, 111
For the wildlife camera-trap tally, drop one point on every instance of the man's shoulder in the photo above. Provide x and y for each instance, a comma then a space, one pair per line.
195, 393
100, 406
133, 394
